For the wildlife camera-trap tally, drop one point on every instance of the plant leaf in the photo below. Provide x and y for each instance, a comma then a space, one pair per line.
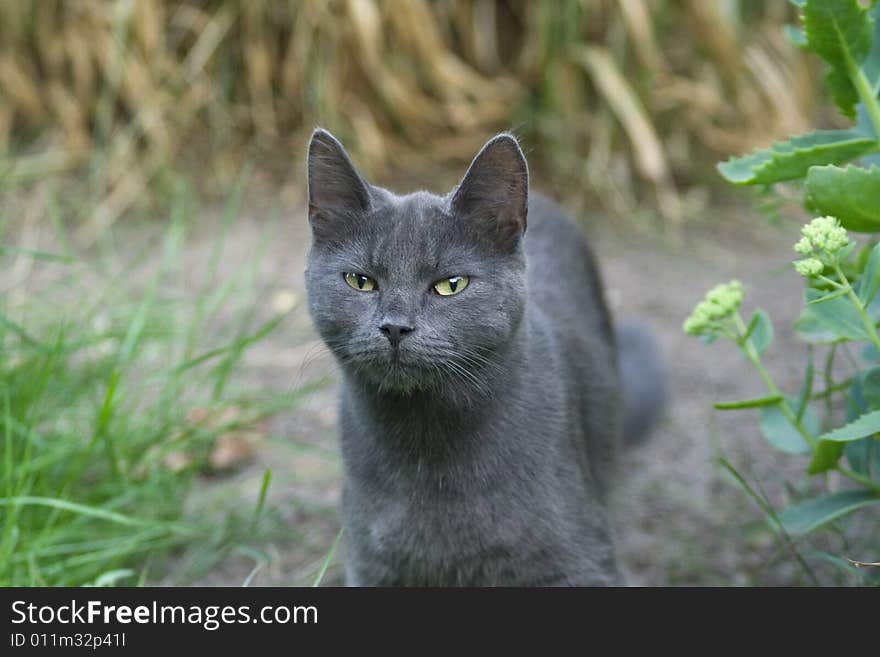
869, 381
760, 331
864, 456
864, 394
788, 160
869, 281
806, 516
840, 32
809, 329
825, 457
865, 425
837, 316
851, 194
780, 433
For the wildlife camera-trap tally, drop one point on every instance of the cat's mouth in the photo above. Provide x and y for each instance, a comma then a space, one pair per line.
396, 369
410, 368
399, 370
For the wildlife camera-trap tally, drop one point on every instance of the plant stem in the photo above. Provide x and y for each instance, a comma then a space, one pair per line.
867, 95
829, 364
753, 356
834, 388
861, 479
831, 282
869, 325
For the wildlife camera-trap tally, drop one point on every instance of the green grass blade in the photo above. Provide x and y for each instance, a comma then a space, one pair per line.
261, 501
74, 507
320, 576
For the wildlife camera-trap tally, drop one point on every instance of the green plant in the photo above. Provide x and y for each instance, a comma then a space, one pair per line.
115, 385
841, 304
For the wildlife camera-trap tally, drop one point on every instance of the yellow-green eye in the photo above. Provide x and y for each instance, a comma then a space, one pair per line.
360, 282
452, 285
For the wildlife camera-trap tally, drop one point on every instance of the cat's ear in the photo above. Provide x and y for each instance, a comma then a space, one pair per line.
338, 194
494, 193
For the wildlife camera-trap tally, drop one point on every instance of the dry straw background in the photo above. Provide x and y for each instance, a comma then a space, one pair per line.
621, 101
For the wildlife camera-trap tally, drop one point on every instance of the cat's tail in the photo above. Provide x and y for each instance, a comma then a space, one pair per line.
644, 379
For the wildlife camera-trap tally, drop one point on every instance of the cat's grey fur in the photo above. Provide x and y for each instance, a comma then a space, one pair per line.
477, 450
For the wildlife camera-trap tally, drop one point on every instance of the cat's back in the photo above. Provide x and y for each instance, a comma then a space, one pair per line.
562, 274
572, 337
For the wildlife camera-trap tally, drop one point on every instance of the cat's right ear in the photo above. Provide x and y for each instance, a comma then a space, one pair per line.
338, 195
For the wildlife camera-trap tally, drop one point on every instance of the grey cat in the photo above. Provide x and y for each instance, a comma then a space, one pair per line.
480, 409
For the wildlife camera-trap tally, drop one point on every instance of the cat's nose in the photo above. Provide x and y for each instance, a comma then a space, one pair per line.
395, 332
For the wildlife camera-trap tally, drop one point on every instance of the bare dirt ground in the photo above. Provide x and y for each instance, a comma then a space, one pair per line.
679, 520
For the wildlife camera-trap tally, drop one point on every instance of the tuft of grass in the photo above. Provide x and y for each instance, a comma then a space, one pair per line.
114, 389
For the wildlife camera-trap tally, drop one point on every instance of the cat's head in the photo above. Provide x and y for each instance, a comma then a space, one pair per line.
417, 292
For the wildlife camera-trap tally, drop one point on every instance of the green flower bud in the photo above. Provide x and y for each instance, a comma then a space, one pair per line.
823, 238
804, 247
809, 267
719, 304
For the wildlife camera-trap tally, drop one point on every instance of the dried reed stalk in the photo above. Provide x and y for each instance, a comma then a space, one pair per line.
654, 86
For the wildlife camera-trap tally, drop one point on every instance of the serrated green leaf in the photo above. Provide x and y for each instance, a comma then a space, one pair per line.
869, 281
837, 316
851, 194
843, 92
780, 433
788, 160
840, 32
805, 517
865, 425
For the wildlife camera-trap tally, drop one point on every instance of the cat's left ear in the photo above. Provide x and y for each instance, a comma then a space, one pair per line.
494, 193
338, 195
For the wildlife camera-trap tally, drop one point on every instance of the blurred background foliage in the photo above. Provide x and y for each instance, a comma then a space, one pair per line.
624, 101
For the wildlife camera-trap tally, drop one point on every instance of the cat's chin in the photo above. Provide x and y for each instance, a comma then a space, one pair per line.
398, 378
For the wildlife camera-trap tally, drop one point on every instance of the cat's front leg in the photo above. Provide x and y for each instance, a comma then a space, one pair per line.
365, 569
